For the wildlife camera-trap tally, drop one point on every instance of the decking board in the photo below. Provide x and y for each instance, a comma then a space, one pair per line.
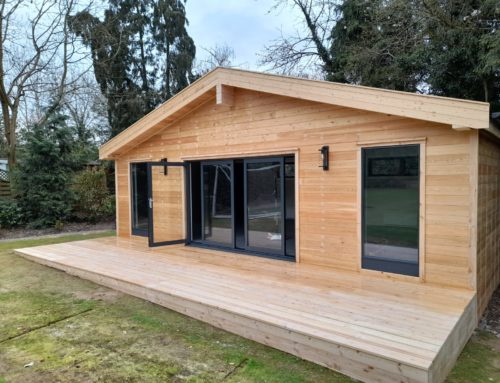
371, 329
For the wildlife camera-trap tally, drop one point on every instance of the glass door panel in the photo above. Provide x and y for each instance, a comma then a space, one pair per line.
139, 189
217, 212
264, 205
391, 209
290, 206
166, 203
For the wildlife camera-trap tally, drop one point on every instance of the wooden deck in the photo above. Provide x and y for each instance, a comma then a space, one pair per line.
372, 329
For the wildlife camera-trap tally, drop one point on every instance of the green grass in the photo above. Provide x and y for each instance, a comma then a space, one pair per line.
479, 362
394, 235
49, 240
263, 224
76, 331
391, 217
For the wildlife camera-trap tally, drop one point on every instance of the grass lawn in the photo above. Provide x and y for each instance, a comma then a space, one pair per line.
64, 329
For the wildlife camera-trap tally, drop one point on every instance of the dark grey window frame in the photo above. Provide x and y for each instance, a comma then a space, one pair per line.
379, 264
165, 165
203, 240
281, 161
281, 255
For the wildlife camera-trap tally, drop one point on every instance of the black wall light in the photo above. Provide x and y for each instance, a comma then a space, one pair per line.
165, 168
325, 157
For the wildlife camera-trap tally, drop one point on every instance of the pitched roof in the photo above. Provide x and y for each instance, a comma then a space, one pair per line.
460, 114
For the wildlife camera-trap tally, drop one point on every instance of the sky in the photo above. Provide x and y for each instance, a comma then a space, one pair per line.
244, 25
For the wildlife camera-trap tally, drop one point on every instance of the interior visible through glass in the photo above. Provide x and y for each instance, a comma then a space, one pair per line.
290, 205
264, 205
139, 198
244, 204
391, 208
217, 211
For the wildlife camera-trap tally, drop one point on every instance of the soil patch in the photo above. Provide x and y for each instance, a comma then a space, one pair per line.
107, 296
491, 318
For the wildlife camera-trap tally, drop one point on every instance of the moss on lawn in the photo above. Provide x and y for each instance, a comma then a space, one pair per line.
479, 362
82, 332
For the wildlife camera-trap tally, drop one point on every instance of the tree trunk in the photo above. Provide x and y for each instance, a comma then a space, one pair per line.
486, 90
167, 71
12, 139
12, 153
10, 136
144, 71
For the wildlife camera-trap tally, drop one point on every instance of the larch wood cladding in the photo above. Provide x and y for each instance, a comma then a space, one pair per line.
488, 233
328, 201
169, 209
459, 114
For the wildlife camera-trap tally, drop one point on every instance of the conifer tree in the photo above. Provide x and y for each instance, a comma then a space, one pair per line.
43, 175
142, 55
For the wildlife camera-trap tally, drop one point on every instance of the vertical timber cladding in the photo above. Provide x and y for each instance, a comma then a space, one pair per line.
488, 231
328, 204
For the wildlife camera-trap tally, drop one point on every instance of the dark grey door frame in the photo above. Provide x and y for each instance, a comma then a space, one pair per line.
135, 231
165, 165
281, 161
202, 165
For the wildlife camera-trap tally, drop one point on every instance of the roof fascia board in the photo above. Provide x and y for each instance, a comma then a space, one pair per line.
472, 114
140, 128
460, 114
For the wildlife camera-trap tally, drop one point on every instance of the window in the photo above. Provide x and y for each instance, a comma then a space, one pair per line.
139, 185
390, 209
246, 205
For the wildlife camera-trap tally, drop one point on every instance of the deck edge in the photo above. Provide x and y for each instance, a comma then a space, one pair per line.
454, 344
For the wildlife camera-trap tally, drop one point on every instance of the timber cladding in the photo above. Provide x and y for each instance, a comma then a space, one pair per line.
328, 201
488, 233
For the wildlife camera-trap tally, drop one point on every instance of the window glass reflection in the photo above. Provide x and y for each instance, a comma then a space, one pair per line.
391, 206
264, 210
217, 203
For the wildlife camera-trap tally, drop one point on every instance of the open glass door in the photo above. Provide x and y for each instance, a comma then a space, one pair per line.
167, 206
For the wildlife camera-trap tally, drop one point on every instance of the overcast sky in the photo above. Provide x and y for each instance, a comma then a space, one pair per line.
245, 25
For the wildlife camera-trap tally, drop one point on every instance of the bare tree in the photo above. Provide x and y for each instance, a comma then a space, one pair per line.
217, 56
36, 49
86, 109
306, 52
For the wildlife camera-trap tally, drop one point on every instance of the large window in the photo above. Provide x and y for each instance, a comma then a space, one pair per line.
244, 204
139, 185
391, 209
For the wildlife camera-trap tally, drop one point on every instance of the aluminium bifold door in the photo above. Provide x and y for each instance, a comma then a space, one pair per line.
167, 208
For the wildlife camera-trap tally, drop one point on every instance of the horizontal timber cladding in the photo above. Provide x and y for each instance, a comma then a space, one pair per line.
488, 231
123, 209
328, 201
